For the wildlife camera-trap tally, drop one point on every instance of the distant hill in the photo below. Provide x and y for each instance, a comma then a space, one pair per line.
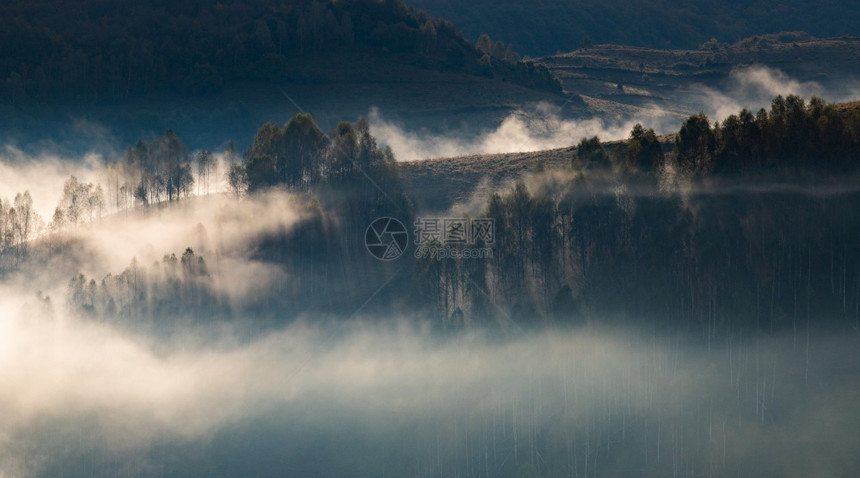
545, 27
440, 183
627, 78
108, 49
199, 66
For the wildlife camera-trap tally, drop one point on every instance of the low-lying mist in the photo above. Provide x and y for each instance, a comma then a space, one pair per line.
218, 227
82, 399
542, 126
370, 387
753, 87
532, 128
43, 175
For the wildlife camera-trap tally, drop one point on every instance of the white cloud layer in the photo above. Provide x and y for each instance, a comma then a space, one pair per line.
540, 127
746, 407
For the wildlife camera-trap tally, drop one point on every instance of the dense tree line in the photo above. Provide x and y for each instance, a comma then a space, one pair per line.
610, 242
292, 155
176, 287
347, 181
643, 152
299, 156
606, 245
150, 173
713, 263
52, 49
343, 181
793, 135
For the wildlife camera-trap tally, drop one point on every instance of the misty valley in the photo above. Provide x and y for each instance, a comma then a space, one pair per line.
326, 238
644, 309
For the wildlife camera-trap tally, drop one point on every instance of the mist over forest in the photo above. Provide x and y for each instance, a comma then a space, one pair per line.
320, 238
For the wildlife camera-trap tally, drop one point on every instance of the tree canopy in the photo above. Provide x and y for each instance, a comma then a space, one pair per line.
107, 49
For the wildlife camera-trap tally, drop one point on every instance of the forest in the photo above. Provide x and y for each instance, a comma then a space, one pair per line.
728, 203
62, 51
669, 304
333, 238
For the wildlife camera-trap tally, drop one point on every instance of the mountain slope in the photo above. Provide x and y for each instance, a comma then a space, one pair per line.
677, 80
106, 51
200, 66
544, 27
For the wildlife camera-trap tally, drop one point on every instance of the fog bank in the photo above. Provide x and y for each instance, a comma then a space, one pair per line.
370, 399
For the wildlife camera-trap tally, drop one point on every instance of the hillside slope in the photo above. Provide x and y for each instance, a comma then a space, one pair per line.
675, 80
544, 27
438, 184
209, 70
105, 51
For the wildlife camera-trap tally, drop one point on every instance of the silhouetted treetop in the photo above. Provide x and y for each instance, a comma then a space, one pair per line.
590, 153
793, 135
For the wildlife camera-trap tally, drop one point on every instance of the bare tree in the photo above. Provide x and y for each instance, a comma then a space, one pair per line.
26, 217
96, 202
237, 178
205, 162
77, 202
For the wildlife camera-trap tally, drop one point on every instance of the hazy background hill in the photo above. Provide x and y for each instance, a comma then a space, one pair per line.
620, 79
200, 67
545, 27
660, 305
78, 76
103, 50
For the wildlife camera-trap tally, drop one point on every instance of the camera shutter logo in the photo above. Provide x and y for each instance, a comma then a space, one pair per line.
386, 238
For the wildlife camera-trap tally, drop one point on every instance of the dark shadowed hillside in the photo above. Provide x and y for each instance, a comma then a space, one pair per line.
326, 238
104, 50
544, 27
200, 67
